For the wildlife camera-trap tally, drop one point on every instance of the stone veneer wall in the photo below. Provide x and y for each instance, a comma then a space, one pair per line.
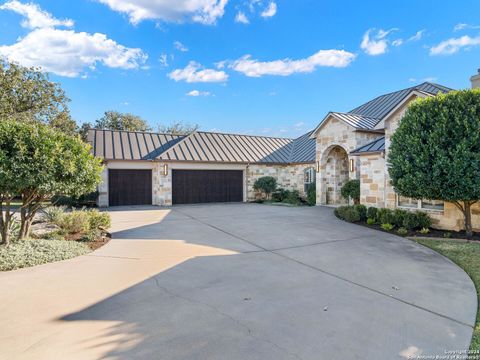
372, 180
162, 185
289, 177
337, 133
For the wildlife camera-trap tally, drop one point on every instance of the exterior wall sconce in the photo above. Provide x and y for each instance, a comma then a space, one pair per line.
165, 169
352, 165
318, 166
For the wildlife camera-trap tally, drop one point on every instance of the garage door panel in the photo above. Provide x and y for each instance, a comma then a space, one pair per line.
129, 187
204, 186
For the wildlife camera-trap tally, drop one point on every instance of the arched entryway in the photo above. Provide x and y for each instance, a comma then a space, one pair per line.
334, 175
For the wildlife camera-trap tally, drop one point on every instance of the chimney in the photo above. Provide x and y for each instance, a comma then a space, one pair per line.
475, 79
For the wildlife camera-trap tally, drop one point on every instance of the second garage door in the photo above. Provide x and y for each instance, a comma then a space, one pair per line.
206, 186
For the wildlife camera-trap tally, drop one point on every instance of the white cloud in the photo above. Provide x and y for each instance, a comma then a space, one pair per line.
397, 42
202, 11
427, 79
196, 93
270, 11
163, 60
463, 26
418, 36
328, 58
376, 44
65, 52
453, 45
195, 73
35, 17
241, 18
180, 47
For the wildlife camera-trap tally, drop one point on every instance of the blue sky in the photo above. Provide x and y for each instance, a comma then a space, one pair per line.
271, 67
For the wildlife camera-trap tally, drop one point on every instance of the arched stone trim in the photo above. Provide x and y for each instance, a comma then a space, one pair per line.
333, 173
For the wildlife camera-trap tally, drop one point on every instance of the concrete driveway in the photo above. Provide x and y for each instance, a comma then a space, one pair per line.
238, 281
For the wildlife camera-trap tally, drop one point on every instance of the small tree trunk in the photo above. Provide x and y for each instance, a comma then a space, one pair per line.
467, 214
5, 220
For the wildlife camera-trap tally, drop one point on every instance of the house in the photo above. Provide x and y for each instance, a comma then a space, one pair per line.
355, 145
163, 169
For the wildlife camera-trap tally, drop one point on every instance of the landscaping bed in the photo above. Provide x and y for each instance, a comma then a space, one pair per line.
57, 234
465, 254
400, 222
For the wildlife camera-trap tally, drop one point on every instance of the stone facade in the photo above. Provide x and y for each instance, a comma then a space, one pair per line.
372, 180
376, 189
290, 177
337, 134
162, 185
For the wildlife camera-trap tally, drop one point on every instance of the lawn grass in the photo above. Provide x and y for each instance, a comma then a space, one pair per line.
467, 256
27, 253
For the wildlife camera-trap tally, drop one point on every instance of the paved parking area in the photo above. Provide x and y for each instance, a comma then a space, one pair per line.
238, 281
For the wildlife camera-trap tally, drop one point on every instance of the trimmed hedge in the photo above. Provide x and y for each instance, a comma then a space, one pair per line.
398, 218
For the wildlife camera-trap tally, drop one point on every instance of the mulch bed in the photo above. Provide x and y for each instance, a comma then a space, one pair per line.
93, 245
434, 233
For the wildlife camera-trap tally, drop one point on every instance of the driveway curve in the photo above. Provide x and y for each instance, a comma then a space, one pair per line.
239, 281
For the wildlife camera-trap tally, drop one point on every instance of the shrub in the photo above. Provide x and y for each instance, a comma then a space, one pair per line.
351, 190
387, 227
74, 222
424, 220
293, 197
399, 217
340, 212
385, 216
265, 184
98, 220
402, 231
424, 231
54, 213
372, 213
351, 214
417, 220
280, 194
371, 221
312, 194
362, 211
447, 235
89, 199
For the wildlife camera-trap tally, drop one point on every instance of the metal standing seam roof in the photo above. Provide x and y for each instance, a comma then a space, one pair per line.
201, 147
357, 121
377, 145
379, 107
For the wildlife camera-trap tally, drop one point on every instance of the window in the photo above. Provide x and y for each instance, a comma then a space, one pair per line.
405, 202
432, 205
309, 177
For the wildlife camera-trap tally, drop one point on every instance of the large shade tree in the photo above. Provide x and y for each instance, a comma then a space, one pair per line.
435, 152
28, 95
37, 162
114, 120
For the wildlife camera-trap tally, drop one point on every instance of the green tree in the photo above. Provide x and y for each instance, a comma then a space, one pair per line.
37, 162
435, 152
178, 128
27, 95
351, 190
114, 120
265, 184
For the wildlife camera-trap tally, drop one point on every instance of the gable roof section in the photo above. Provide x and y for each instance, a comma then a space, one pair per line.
377, 145
370, 114
379, 107
201, 147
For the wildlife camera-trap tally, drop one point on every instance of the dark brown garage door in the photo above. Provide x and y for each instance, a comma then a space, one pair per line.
129, 187
205, 186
